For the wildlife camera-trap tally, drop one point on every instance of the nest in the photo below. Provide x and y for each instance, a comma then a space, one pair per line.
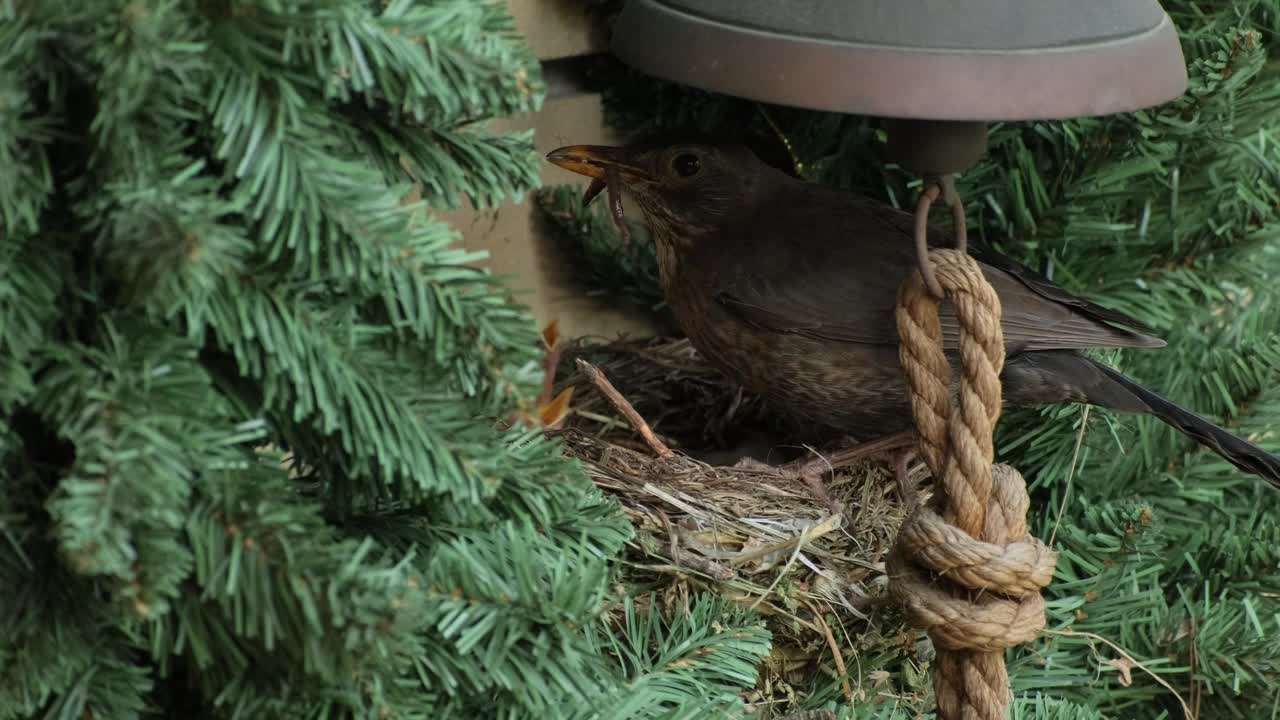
753, 535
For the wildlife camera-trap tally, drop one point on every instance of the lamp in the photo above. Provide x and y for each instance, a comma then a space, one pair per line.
938, 70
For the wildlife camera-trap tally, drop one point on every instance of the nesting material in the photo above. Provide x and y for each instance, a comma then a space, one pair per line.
752, 535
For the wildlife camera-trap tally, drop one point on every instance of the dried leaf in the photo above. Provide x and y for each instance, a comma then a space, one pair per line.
1123, 666
551, 334
553, 413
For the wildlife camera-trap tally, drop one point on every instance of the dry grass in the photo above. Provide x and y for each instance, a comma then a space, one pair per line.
756, 537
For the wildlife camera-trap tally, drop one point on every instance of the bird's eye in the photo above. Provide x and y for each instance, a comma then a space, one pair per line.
686, 164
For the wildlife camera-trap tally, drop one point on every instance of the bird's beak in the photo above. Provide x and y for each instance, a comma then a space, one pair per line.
595, 161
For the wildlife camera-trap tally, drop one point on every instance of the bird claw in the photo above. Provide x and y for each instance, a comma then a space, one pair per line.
820, 492
902, 476
812, 479
750, 463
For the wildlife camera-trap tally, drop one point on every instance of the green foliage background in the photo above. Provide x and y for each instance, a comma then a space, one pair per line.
253, 459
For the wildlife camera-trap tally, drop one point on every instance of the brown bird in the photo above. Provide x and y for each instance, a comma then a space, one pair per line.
789, 288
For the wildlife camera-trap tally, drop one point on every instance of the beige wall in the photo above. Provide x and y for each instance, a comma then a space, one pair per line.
555, 28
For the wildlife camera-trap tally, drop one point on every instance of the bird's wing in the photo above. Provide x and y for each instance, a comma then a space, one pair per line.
903, 223
828, 265
1045, 288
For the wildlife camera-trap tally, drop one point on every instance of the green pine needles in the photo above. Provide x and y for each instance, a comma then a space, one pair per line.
253, 460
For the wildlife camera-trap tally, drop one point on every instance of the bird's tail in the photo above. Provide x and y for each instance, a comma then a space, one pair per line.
1119, 392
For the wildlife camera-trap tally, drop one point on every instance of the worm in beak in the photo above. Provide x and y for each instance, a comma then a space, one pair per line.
604, 166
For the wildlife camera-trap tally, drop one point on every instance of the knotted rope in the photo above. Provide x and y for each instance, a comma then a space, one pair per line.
968, 572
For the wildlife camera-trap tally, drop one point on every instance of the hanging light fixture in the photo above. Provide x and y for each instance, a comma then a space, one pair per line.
937, 70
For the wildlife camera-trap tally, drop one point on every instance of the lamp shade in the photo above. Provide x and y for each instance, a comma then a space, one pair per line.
971, 60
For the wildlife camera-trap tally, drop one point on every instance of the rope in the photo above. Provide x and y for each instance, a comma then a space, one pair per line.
965, 567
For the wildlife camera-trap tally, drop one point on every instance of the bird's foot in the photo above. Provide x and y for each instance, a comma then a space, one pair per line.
819, 489
811, 471
900, 444
625, 408
811, 479
902, 474
905, 439
750, 463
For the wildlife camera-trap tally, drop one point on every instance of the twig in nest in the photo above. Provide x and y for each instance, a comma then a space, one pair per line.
821, 622
550, 361
621, 404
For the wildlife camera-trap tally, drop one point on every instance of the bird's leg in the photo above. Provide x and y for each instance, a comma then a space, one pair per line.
902, 444
750, 463
816, 486
810, 471
905, 439
550, 361
902, 474
623, 406
812, 478
809, 474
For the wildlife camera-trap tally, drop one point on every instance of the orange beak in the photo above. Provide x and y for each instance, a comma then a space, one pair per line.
593, 160
602, 164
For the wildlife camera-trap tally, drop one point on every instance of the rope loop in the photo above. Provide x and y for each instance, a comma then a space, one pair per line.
965, 566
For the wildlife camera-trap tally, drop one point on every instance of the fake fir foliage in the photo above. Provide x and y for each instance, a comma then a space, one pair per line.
605, 267
1166, 590
256, 453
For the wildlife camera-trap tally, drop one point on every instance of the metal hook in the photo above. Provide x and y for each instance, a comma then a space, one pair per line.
935, 186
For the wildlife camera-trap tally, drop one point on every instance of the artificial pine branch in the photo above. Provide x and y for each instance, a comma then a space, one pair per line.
625, 273
217, 254
690, 664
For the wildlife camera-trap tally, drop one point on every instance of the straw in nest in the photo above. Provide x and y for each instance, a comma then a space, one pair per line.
757, 537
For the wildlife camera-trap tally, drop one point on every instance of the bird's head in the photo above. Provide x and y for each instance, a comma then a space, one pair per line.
684, 189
